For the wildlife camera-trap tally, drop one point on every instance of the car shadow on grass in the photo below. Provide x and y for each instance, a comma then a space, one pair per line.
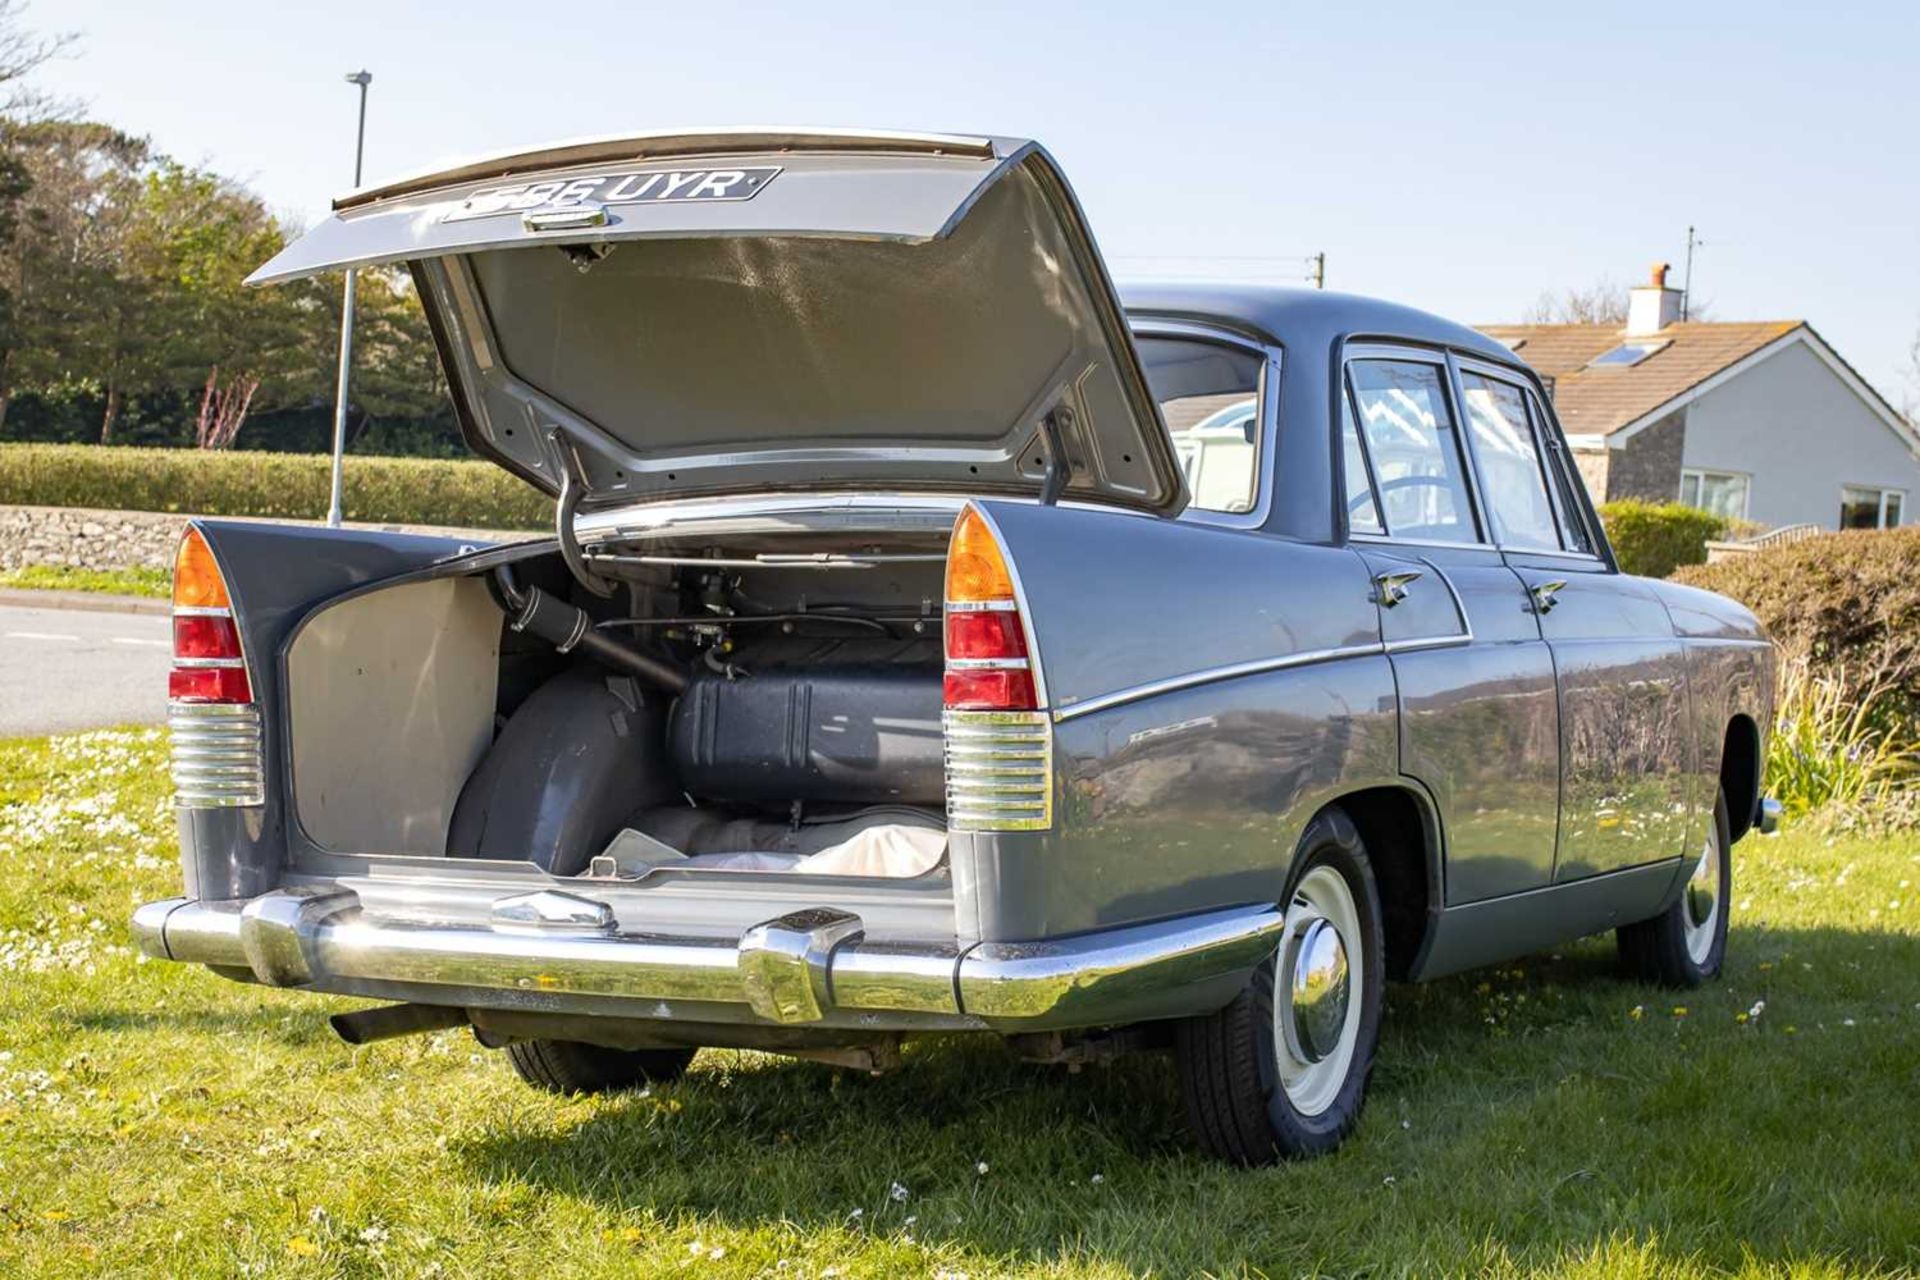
1539, 1111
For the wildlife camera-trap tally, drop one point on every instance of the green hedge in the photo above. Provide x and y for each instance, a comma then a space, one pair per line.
1655, 538
1847, 602
461, 493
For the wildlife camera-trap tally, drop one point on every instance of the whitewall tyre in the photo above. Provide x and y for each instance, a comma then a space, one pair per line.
1282, 1071
1686, 944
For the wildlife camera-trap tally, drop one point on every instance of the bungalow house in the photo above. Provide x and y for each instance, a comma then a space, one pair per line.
1761, 421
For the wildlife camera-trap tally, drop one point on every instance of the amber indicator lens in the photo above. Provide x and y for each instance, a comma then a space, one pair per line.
976, 571
196, 578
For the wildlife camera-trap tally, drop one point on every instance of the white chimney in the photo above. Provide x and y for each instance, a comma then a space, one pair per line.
1653, 306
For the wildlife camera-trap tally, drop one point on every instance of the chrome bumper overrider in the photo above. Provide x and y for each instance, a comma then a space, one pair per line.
794, 969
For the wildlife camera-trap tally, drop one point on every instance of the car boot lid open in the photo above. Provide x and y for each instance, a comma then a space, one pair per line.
756, 311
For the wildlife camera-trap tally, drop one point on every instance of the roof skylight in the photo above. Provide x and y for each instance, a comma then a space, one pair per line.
1627, 354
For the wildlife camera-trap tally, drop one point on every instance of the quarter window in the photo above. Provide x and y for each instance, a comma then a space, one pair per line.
1209, 396
1864, 508
1722, 492
1509, 461
1566, 485
1410, 438
1363, 513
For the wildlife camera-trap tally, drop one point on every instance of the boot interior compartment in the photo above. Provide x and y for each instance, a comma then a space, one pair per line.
766, 707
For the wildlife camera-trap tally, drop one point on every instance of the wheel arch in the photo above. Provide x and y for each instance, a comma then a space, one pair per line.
1401, 832
1740, 767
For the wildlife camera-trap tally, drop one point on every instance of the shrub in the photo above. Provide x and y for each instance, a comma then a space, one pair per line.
1655, 538
461, 493
1827, 752
1849, 603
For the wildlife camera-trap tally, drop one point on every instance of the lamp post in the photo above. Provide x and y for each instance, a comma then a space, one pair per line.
362, 79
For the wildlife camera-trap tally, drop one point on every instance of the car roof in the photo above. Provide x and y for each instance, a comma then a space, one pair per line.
1303, 317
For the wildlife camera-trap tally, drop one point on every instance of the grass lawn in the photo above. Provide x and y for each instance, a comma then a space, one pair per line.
157, 583
1543, 1119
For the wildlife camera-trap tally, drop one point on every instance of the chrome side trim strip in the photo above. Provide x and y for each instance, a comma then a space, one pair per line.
795, 969
1427, 642
1210, 675
216, 755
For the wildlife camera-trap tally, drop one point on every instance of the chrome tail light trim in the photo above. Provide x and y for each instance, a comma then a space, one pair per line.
999, 770
217, 757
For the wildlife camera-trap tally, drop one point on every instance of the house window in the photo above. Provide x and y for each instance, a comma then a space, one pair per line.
1863, 508
1722, 492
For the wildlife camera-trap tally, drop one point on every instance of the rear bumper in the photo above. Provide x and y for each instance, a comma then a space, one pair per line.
555, 950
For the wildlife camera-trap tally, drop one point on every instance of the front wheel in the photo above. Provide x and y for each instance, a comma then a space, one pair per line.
1686, 944
1282, 1071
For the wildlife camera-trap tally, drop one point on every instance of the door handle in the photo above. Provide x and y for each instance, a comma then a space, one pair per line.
1546, 594
1391, 588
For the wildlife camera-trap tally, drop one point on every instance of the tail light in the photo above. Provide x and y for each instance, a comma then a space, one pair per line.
217, 760
207, 663
988, 666
999, 742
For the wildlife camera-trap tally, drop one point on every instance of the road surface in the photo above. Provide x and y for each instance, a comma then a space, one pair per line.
64, 669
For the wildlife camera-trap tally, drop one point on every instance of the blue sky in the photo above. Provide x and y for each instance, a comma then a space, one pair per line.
1458, 157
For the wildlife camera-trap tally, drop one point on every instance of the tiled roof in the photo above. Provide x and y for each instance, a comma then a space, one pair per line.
1600, 401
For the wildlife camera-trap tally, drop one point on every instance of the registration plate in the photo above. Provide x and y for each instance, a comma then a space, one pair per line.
626, 186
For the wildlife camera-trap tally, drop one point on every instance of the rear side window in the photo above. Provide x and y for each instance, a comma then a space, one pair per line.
1209, 395
1508, 456
1415, 451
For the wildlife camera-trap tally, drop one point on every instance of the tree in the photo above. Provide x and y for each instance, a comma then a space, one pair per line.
121, 280
22, 52
223, 410
1602, 302
1910, 402
75, 314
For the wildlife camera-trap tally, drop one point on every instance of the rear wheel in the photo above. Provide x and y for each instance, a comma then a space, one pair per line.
1686, 944
1282, 1071
566, 1066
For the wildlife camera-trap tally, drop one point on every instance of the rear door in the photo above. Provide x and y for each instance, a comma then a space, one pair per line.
737, 312
1625, 795
1478, 713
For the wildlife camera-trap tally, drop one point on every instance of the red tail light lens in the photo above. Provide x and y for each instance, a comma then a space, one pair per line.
205, 636
985, 633
989, 689
209, 684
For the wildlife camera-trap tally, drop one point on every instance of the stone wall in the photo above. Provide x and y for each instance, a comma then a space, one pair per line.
1648, 466
93, 539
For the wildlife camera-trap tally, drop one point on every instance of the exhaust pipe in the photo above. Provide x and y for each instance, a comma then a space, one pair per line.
364, 1026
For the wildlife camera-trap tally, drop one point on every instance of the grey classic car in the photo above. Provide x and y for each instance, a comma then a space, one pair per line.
883, 677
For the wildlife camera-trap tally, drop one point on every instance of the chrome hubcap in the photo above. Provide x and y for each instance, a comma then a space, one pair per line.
1319, 967
1703, 902
1319, 990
